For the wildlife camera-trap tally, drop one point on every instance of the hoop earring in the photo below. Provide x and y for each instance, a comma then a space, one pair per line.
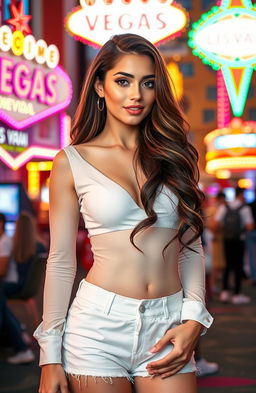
100, 108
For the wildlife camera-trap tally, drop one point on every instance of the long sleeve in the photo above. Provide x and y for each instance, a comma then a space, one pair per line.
192, 275
61, 263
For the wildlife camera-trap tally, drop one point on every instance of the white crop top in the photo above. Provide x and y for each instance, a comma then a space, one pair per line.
107, 207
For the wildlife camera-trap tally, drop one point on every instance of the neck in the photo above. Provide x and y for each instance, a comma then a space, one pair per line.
124, 136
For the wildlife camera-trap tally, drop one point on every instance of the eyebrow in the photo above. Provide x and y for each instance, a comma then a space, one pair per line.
132, 76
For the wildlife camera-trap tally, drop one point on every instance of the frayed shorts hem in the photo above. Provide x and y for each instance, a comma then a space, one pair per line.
105, 376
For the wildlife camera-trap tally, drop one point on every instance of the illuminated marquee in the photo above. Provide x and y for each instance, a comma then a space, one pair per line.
231, 148
95, 21
32, 85
18, 147
225, 39
235, 141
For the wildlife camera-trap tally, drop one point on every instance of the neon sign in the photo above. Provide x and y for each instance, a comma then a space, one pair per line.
18, 147
94, 22
231, 148
233, 141
30, 90
21, 159
225, 39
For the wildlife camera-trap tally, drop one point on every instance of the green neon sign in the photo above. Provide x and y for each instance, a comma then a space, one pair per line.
225, 39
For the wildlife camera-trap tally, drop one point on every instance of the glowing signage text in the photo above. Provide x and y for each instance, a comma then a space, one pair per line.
94, 22
13, 137
28, 47
233, 141
30, 90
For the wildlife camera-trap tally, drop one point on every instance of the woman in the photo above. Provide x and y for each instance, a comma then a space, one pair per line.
26, 245
132, 174
10, 328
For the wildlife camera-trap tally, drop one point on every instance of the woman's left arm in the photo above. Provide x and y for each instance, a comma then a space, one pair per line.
195, 319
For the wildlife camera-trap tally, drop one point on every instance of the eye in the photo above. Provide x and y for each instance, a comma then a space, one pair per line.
150, 84
122, 82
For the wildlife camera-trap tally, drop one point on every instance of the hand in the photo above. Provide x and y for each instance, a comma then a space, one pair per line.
53, 379
184, 338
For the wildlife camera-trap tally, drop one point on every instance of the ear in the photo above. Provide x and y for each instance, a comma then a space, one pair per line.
99, 88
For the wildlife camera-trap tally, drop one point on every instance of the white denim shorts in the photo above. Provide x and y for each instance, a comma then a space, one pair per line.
109, 335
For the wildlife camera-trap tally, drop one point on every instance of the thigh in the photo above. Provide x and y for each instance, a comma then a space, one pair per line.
88, 384
178, 383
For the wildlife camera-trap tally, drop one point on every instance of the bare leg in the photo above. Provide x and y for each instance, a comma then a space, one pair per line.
178, 383
88, 384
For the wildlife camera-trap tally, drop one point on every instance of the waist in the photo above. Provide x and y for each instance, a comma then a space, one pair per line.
119, 267
107, 300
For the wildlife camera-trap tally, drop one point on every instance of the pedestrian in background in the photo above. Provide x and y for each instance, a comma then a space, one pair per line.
234, 219
11, 331
216, 246
26, 245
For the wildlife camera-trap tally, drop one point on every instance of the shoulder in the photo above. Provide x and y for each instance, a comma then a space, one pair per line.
62, 164
61, 159
61, 173
246, 209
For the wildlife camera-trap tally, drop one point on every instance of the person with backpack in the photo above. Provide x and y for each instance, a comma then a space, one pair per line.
235, 219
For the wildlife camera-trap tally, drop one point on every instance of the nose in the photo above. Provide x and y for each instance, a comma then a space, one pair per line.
135, 93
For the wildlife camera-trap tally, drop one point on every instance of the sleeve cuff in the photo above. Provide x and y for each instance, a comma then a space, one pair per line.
50, 342
196, 311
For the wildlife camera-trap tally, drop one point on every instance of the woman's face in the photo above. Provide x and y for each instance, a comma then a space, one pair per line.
129, 89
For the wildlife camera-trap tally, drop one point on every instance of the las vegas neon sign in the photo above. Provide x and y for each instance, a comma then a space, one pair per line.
95, 21
32, 84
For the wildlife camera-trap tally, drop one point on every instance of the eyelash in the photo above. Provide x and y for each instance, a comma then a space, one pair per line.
120, 83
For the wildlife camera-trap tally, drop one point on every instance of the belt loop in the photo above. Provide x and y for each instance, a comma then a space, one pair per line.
109, 302
80, 284
165, 307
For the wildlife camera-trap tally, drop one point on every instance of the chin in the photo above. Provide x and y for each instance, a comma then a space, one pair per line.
133, 122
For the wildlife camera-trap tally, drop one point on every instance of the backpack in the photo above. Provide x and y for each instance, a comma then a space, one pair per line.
233, 226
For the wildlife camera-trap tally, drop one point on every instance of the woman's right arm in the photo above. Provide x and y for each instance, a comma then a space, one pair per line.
60, 272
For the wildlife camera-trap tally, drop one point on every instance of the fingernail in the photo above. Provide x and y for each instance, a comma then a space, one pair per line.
153, 349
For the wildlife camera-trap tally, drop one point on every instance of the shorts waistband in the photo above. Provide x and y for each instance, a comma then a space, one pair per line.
108, 301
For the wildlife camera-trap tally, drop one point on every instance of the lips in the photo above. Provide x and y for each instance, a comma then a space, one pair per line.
134, 109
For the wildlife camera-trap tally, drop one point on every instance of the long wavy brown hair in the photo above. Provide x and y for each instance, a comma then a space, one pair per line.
163, 152
25, 237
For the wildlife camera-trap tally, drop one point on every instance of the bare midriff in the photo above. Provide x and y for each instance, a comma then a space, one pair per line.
119, 267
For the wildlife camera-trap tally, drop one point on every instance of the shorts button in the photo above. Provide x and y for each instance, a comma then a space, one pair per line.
142, 308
